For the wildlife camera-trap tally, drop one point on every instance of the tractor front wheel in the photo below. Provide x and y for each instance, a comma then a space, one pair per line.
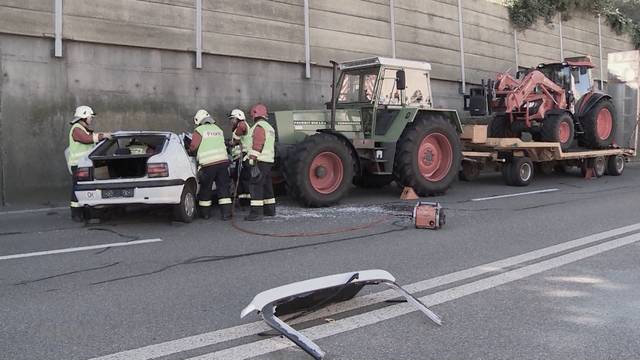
428, 155
320, 170
558, 128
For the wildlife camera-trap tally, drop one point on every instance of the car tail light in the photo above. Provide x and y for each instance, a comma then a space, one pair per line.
157, 170
83, 174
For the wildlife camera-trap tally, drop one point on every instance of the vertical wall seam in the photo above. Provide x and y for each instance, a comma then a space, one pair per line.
57, 52
515, 48
307, 50
3, 195
461, 33
198, 34
561, 44
600, 50
392, 24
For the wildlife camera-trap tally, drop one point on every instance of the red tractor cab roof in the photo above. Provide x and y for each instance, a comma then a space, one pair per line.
578, 61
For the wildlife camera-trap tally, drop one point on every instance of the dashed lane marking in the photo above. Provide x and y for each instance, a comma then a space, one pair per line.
76, 249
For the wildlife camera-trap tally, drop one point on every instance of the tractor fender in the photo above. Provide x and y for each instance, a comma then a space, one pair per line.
354, 153
450, 115
588, 101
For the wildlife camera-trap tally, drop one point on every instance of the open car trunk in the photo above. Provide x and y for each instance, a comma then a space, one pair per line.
125, 156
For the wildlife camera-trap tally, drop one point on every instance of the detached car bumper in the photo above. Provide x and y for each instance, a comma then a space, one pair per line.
144, 192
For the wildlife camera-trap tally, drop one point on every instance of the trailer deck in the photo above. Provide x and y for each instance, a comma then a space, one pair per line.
480, 151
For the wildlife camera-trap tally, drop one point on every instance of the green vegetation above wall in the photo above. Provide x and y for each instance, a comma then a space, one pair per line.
623, 16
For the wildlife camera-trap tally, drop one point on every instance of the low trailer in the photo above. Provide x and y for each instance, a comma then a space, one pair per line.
518, 160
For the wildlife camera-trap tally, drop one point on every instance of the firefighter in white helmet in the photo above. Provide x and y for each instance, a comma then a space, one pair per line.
208, 144
241, 143
261, 158
82, 139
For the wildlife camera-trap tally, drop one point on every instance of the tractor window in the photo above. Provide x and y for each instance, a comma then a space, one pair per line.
582, 81
358, 86
417, 87
389, 94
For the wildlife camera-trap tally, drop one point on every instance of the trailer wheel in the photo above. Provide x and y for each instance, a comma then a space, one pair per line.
470, 171
615, 165
599, 166
320, 170
558, 128
185, 211
518, 171
428, 155
599, 125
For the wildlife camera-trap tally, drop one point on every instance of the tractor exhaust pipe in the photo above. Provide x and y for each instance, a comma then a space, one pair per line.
333, 94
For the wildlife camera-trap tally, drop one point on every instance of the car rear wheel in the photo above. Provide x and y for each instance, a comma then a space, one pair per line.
185, 211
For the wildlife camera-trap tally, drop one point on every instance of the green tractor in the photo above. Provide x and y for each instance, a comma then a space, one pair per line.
380, 126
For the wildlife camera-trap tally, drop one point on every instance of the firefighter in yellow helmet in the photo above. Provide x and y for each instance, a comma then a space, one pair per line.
261, 158
241, 142
208, 144
82, 139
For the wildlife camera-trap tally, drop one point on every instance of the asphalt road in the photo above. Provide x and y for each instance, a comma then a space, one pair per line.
549, 275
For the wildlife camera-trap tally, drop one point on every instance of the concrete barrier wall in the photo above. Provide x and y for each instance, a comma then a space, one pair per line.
134, 62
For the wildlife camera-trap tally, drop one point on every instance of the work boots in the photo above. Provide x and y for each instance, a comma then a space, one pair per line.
205, 212
269, 209
256, 213
77, 214
225, 210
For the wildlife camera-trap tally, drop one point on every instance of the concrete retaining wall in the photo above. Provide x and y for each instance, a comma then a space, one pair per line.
133, 61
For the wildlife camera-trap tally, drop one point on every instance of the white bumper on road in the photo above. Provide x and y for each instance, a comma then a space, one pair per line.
145, 195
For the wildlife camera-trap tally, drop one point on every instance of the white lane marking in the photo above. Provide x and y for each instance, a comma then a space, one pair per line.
81, 248
240, 331
27, 211
516, 194
358, 321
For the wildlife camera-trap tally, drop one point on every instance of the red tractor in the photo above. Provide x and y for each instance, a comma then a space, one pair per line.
553, 102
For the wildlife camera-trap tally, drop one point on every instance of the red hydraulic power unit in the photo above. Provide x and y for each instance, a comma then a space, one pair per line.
428, 215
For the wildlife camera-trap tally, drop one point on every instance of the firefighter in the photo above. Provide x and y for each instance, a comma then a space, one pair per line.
208, 144
261, 157
82, 138
241, 142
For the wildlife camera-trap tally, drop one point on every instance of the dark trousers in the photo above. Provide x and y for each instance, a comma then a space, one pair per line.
244, 185
74, 199
218, 173
262, 186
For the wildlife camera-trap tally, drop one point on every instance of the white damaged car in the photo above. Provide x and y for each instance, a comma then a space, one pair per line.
139, 167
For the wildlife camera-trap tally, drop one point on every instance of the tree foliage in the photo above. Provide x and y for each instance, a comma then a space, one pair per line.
623, 16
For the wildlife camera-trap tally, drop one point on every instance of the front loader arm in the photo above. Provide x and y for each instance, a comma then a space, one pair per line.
517, 98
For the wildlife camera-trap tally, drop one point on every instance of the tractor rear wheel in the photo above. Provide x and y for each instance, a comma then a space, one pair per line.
599, 125
320, 170
558, 128
428, 155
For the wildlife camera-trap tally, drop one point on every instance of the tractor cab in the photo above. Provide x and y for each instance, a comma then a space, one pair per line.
380, 89
573, 75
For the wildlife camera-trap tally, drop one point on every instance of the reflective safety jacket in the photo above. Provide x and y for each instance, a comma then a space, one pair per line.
79, 149
212, 149
263, 138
